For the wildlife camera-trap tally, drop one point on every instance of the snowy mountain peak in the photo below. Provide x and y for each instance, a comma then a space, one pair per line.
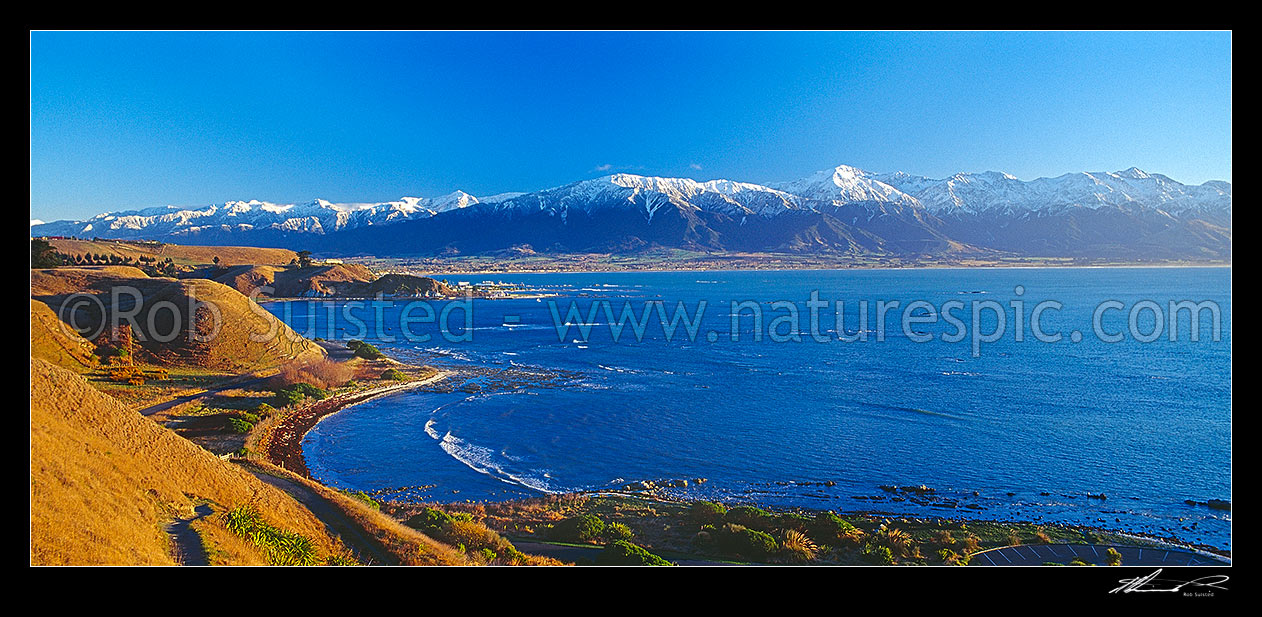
845, 184
1133, 173
452, 201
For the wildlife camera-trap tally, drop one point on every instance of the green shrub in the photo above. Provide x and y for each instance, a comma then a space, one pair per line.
429, 520
878, 555
237, 425
363, 497
295, 394
364, 350
744, 542
247, 416
749, 516
828, 528
707, 512
461, 530
279, 547
794, 521
617, 531
582, 528
289, 398
395, 374
621, 553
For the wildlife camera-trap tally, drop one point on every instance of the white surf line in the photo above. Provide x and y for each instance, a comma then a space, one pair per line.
383, 391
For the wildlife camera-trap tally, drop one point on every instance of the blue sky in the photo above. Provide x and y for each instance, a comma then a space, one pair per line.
128, 120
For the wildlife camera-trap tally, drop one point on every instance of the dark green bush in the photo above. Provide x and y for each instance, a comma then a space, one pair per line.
582, 528
237, 425
878, 555
363, 497
395, 374
707, 512
828, 528
295, 394
289, 398
429, 520
617, 531
245, 415
794, 521
621, 553
744, 542
365, 350
749, 516
280, 547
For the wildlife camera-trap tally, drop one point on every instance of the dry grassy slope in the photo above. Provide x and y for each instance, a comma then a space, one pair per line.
57, 344
317, 280
241, 335
292, 282
246, 279
201, 304
180, 254
105, 480
408, 285
336, 279
60, 282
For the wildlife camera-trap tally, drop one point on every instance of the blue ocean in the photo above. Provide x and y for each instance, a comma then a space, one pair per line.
1112, 415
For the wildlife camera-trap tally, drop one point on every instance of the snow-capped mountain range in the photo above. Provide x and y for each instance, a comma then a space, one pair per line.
317, 216
861, 210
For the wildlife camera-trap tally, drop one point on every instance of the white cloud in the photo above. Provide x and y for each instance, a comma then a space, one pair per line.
695, 166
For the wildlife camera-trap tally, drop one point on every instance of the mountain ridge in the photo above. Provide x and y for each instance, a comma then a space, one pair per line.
843, 209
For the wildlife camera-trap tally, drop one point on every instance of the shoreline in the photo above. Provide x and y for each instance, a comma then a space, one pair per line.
285, 450
282, 444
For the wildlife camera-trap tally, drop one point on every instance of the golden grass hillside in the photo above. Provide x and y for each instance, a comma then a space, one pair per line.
54, 283
182, 255
291, 281
224, 330
105, 481
246, 279
345, 280
52, 341
190, 322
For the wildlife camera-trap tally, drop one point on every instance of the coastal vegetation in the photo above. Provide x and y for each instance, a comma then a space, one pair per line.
364, 350
709, 532
280, 547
